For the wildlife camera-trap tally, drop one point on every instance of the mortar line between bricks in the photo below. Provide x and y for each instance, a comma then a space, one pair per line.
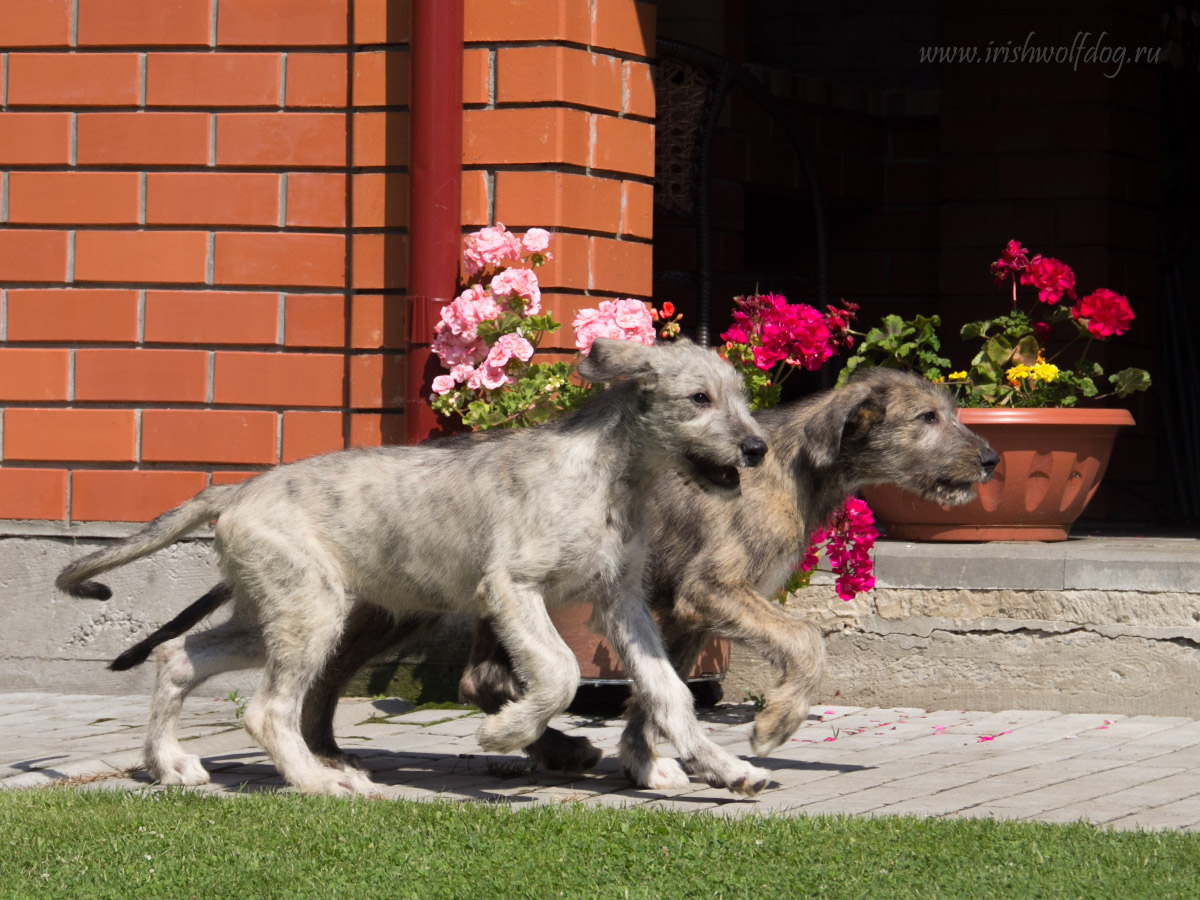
968, 805
142, 66
70, 279
71, 375
142, 188
212, 367
212, 23
3, 196
74, 36
491, 100
283, 194
141, 316
73, 150
210, 262
283, 79
3, 79
280, 317
3, 314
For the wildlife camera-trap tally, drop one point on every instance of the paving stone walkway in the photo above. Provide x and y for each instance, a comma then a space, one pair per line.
1123, 771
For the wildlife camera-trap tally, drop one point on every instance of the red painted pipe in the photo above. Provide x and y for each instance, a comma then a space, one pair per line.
435, 175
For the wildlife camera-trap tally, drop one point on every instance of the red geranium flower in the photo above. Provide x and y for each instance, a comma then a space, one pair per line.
1012, 261
1105, 312
1052, 278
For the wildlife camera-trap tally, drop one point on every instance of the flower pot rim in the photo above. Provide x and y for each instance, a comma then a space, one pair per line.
1046, 416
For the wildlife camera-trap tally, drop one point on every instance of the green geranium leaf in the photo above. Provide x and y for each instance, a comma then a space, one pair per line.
974, 331
1027, 351
1127, 381
999, 350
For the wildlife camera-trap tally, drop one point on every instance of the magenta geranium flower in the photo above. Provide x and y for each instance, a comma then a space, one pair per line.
848, 541
1106, 313
1052, 278
1012, 262
778, 331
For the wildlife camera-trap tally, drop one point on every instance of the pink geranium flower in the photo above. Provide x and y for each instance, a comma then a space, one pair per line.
536, 240
1051, 277
1105, 312
622, 320
462, 315
490, 247
507, 347
524, 284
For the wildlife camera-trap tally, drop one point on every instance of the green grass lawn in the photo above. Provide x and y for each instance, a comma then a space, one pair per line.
60, 842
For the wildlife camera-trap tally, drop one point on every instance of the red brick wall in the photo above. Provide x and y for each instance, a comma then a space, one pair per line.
203, 217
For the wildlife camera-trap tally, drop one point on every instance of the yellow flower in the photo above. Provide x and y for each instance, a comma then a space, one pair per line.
1046, 372
1040, 371
957, 376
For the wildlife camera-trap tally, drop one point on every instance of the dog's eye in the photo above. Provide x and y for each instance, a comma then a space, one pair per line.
701, 399
930, 417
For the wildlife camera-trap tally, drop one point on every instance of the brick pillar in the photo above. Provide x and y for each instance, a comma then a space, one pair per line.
559, 133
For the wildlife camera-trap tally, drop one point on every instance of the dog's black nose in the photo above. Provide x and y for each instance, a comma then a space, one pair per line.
754, 449
988, 459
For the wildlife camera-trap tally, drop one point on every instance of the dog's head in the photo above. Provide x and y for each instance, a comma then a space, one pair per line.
692, 404
889, 427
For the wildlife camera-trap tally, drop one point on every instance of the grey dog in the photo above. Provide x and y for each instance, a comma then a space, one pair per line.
497, 525
713, 563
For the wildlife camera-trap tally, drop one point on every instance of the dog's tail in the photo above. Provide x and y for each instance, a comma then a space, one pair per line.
140, 652
166, 529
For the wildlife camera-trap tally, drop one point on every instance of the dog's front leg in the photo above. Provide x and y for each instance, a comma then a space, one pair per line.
634, 634
638, 752
543, 662
786, 641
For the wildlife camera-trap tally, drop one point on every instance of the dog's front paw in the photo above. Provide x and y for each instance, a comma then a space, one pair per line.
184, 770
660, 774
752, 782
336, 783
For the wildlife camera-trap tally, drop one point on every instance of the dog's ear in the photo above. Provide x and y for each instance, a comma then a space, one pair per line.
611, 359
848, 414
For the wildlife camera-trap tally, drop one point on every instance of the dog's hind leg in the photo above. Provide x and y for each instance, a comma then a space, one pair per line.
542, 661
489, 683
634, 634
183, 663
369, 632
302, 633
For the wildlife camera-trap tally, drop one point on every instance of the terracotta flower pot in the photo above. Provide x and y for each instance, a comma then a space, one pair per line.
598, 662
1051, 461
